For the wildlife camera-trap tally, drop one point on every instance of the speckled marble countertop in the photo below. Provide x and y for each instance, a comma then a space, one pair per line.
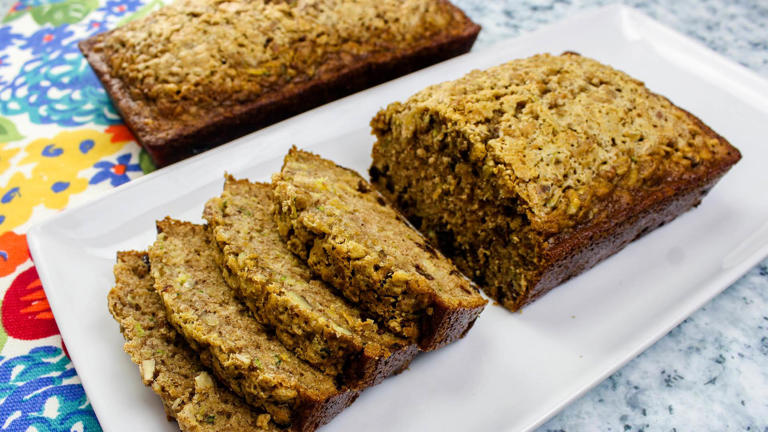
711, 372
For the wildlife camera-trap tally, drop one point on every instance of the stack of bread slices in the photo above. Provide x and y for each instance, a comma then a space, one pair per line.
293, 298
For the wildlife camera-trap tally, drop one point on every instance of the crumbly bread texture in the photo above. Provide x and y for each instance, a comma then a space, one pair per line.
530, 172
308, 318
167, 364
352, 239
198, 72
240, 351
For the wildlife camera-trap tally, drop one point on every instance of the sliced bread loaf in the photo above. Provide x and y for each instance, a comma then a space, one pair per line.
307, 316
197, 73
167, 364
533, 171
241, 352
350, 237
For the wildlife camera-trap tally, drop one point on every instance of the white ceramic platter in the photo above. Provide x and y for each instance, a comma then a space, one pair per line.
513, 370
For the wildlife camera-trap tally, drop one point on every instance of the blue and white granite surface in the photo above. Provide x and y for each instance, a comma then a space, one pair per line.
711, 372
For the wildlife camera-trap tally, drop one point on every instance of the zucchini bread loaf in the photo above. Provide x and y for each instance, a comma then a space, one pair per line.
167, 364
239, 350
198, 73
528, 173
349, 236
308, 318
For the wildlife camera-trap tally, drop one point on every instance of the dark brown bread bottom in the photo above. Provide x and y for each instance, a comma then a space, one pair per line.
276, 106
600, 242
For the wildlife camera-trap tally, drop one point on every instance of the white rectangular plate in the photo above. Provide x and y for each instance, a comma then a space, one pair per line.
513, 370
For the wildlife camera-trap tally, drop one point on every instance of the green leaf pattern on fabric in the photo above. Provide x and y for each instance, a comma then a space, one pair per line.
8, 131
145, 162
68, 12
3, 337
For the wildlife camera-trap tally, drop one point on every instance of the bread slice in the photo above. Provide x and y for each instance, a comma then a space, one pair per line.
198, 73
533, 171
241, 352
351, 238
308, 318
166, 363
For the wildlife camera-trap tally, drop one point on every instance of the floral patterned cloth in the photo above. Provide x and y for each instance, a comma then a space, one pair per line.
61, 141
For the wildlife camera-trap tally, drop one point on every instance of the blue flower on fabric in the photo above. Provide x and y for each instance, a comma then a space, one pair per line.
122, 7
5, 61
36, 393
7, 37
48, 40
111, 13
95, 26
117, 173
58, 87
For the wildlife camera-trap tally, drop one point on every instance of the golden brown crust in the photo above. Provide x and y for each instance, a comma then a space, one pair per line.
171, 127
573, 252
533, 171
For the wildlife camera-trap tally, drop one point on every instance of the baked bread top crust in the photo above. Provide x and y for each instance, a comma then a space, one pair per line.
194, 60
561, 138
